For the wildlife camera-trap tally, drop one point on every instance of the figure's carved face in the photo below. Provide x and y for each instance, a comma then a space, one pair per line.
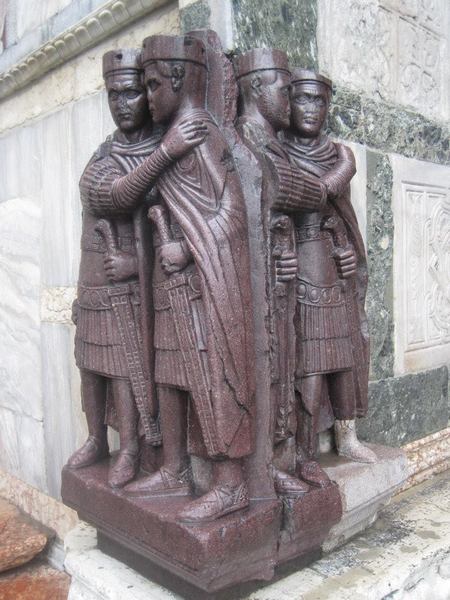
272, 97
163, 82
127, 101
309, 108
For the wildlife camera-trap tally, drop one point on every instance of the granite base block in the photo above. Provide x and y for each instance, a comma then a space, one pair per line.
245, 546
364, 489
241, 547
238, 547
306, 523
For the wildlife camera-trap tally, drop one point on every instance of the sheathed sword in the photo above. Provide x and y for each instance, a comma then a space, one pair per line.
340, 240
180, 304
283, 300
131, 339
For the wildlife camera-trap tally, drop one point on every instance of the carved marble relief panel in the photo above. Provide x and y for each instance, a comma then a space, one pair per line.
393, 49
422, 264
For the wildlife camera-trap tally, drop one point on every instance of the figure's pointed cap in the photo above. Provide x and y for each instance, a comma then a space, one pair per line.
260, 59
125, 59
306, 76
173, 47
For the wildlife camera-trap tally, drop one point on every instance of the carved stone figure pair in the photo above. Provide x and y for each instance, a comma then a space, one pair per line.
165, 317
187, 332
282, 116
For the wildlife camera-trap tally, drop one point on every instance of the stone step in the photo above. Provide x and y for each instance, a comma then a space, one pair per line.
20, 540
34, 582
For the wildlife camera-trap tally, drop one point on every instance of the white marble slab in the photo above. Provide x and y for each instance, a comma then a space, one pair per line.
396, 50
421, 206
20, 363
87, 131
22, 451
9, 151
59, 415
59, 248
20, 168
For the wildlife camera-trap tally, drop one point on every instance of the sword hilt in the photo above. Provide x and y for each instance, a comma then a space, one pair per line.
159, 216
105, 230
335, 225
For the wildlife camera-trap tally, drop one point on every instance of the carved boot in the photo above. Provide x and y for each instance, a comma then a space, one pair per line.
348, 444
289, 485
228, 494
311, 472
161, 483
93, 450
124, 469
126, 465
218, 502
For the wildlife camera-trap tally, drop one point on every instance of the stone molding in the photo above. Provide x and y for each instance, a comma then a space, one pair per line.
112, 16
56, 304
427, 457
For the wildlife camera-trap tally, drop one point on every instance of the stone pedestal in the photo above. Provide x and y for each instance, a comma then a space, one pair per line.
238, 547
244, 546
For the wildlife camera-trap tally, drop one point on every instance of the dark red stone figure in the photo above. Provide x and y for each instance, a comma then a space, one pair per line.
113, 342
112, 345
331, 325
264, 83
203, 333
311, 502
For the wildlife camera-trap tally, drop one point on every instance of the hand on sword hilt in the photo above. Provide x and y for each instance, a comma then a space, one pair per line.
173, 255
344, 254
119, 266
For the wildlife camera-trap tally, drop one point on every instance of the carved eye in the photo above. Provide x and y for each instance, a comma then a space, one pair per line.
131, 94
153, 85
113, 96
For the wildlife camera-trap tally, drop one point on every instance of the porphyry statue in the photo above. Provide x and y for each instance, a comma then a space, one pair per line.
113, 332
264, 82
332, 358
201, 291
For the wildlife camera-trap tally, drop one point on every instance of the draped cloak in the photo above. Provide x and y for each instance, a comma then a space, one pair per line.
203, 193
319, 160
